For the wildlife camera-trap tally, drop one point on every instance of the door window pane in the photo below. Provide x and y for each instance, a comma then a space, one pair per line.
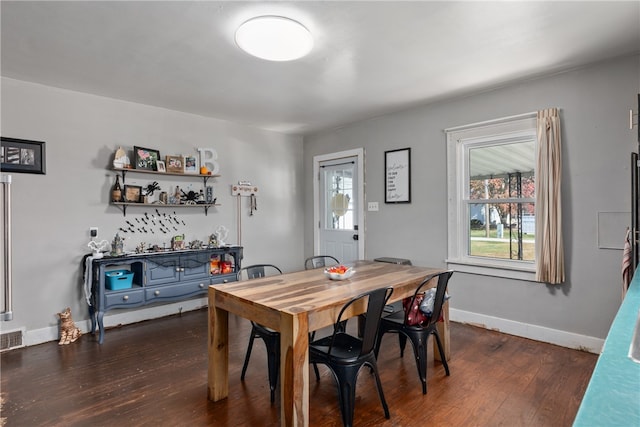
339, 198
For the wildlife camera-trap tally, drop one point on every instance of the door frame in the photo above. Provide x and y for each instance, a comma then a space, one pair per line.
359, 154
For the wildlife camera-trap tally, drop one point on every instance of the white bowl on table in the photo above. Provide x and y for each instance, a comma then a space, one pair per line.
338, 276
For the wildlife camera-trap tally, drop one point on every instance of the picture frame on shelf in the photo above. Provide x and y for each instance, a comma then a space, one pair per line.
132, 193
145, 158
190, 164
160, 166
174, 164
22, 156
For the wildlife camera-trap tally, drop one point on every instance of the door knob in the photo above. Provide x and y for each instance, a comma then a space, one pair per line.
355, 237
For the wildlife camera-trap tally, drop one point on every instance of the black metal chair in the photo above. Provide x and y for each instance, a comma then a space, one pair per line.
270, 337
345, 354
419, 334
319, 261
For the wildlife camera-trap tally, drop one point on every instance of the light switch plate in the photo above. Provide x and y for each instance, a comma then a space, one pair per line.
372, 206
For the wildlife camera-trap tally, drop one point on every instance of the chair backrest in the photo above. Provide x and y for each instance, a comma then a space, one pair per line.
441, 289
256, 271
376, 301
319, 261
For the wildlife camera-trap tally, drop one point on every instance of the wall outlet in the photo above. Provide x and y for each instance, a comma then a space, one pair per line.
93, 231
372, 206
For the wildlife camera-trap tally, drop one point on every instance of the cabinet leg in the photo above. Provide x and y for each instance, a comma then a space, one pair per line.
101, 326
92, 316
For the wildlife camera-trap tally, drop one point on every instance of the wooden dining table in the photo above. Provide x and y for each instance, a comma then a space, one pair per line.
295, 304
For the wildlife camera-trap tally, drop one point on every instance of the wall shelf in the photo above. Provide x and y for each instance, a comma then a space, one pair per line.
205, 178
123, 173
123, 206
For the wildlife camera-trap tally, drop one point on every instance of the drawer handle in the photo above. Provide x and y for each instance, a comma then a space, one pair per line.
225, 281
156, 293
126, 297
201, 285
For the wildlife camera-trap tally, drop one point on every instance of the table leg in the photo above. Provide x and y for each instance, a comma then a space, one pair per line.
294, 370
218, 351
443, 331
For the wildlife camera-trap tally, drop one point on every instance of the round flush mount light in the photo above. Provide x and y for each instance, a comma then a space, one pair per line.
274, 38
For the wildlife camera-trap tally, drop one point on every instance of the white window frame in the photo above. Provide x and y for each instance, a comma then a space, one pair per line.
459, 140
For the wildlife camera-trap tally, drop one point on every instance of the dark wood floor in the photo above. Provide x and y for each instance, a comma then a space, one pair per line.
155, 373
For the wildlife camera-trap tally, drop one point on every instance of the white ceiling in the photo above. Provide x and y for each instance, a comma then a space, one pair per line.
369, 58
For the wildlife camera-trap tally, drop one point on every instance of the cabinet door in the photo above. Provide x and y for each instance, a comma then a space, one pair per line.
163, 270
195, 266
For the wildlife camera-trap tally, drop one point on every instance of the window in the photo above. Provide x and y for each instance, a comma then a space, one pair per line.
338, 197
491, 187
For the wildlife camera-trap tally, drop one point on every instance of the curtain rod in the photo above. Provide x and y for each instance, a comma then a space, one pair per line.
529, 115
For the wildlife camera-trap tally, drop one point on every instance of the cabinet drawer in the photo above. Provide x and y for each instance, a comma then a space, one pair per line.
222, 278
176, 291
124, 298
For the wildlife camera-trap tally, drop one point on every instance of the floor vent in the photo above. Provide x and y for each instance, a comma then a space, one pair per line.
11, 340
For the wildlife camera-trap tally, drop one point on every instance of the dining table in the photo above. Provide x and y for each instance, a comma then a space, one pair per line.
295, 304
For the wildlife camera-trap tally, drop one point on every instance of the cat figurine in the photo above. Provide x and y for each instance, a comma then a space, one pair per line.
69, 332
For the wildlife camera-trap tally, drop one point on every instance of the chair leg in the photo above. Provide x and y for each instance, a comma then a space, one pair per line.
273, 363
374, 368
248, 355
402, 339
312, 336
346, 379
441, 351
420, 352
315, 369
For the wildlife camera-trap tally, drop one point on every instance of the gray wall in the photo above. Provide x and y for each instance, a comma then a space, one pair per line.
597, 142
52, 213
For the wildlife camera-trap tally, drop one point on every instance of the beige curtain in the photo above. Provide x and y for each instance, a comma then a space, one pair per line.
549, 245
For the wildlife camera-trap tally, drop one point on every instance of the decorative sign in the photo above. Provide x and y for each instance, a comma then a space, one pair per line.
208, 157
397, 179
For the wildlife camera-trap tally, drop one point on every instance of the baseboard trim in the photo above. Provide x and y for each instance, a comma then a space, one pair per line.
525, 330
511, 327
117, 318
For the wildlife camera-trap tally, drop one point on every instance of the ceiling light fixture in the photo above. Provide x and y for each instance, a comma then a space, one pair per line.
274, 38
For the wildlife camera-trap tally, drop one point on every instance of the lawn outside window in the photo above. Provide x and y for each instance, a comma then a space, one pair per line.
491, 188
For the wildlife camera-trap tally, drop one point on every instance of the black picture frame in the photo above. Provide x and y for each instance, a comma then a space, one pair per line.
22, 156
145, 158
132, 193
397, 176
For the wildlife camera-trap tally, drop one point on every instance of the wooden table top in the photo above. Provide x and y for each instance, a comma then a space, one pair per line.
311, 292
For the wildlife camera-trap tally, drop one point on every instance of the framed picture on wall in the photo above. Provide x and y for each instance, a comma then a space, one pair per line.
22, 156
397, 176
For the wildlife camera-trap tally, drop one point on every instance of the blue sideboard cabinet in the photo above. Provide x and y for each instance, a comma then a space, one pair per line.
158, 278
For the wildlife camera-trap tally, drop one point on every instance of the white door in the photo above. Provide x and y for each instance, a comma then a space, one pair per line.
339, 206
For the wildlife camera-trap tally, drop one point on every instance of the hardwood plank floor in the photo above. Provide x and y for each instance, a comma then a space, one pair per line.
154, 373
